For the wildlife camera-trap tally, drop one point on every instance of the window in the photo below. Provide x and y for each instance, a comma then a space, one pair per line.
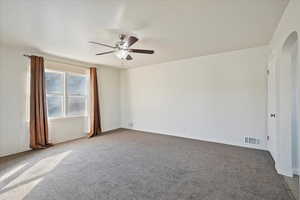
55, 93
77, 92
66, 94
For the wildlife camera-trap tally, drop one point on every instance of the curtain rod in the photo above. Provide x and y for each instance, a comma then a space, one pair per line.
58, 61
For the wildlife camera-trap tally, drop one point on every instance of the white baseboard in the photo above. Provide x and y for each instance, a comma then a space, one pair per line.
3, 154
201, 139
296, 171
284, 172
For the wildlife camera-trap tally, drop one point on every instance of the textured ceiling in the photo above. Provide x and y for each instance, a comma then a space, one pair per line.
174, 29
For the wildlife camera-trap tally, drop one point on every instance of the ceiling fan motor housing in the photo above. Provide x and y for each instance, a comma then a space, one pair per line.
122, 36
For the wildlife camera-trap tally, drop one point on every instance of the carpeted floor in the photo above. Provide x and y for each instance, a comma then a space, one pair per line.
131, 165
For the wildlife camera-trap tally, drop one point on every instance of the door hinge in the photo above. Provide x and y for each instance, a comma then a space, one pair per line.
273, 115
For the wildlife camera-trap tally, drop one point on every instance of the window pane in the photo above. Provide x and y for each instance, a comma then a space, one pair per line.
55, 106
76, 105
76, 84
55, 82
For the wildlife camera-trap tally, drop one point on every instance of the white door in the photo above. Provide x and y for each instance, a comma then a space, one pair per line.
271, 109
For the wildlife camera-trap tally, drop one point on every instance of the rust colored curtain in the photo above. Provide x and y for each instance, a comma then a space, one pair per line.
95, 107
38, 112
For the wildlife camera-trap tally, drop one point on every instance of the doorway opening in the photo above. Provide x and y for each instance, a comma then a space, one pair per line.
289, 107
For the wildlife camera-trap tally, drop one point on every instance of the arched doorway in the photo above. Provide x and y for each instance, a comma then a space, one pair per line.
288, 106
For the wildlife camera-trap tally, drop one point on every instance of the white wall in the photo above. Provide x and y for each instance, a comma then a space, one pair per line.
13, 77
109, 80
64, 129
287, 25
219, 98
14, 136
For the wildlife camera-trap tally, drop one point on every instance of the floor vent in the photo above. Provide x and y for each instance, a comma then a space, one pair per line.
250, 140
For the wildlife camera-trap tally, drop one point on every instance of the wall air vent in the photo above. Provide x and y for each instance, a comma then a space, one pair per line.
251, 140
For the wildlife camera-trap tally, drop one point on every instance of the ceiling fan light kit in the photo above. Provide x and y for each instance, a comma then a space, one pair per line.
122, 47
122, 54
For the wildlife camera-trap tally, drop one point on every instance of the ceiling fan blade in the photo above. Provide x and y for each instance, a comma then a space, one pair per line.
129, 57
131, 40
108, 52
141, 51
106, 45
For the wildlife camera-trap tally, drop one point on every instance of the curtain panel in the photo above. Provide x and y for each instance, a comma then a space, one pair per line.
95, 119
38, 111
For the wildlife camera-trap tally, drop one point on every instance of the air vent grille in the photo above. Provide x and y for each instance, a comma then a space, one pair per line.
251, 140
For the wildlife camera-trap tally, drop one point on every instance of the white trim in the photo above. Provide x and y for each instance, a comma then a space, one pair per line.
296, 171
67, 117
258, 147
65, 95
284, 172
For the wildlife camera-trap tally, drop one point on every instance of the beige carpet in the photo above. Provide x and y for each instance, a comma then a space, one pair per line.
135, 165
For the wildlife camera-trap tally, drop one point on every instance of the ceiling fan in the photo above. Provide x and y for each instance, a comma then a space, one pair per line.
121, 48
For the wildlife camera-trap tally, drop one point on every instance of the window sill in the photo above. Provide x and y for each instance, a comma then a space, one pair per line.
66, 118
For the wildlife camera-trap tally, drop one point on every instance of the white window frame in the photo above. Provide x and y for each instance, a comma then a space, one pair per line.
65, 95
